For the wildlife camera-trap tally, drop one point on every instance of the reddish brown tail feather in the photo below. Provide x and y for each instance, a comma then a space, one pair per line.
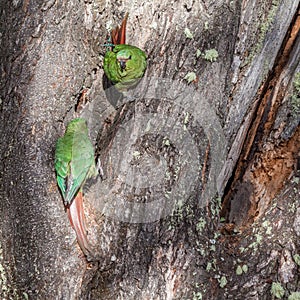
118, 34
77, 220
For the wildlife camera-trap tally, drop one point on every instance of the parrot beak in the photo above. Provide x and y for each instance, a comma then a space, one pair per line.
122, 64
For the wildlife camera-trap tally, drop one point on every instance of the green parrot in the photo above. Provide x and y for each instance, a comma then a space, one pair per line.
124, 65
74, 163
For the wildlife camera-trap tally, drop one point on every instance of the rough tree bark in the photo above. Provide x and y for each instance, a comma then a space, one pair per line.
200, 197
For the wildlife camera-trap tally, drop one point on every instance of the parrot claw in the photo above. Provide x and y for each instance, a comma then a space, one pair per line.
108, 45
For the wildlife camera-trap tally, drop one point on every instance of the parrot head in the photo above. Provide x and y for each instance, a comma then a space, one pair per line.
128, 61
122, 57
124, 66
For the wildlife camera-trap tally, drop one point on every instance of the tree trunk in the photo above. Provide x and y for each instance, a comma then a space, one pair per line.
200, 193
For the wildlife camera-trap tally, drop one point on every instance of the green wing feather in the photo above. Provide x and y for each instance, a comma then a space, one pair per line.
124, 79
74, 159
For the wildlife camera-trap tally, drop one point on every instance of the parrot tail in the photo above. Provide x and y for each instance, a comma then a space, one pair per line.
77, 220
118, 34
